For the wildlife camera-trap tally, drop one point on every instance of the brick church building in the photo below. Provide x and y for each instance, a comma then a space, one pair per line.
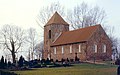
84, 44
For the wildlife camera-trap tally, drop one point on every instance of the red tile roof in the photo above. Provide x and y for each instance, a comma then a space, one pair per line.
56, 19
75, 36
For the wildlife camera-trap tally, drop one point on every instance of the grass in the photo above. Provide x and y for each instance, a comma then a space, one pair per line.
77, 69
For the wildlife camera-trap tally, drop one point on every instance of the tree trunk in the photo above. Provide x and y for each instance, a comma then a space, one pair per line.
13, 57
13, 51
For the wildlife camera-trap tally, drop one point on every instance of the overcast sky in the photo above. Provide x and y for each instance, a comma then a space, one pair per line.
24, 13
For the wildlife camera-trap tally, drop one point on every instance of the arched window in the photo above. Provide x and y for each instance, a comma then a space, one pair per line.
49, 34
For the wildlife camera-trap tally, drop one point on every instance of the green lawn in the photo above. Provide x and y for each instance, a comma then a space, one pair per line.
77, 69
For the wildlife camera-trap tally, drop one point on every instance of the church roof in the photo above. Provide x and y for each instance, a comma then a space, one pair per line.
56, 19
76, 36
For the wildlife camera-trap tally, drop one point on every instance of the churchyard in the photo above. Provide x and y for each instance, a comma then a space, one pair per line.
76, 69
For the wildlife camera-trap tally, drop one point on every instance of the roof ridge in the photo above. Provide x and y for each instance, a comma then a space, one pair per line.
83, 28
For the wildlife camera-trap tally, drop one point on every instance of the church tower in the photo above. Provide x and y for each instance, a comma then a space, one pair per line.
52, 30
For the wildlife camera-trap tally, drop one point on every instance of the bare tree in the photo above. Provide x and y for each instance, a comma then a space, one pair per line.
46, 12
114, 42
32, 40
39, 50
13, 38
83, 16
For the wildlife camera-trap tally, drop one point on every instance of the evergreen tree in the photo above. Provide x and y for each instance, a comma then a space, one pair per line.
9, 64
2, 63
47, 61
6, 65
21, 61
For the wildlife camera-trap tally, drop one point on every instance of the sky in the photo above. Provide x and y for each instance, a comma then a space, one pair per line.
24, 13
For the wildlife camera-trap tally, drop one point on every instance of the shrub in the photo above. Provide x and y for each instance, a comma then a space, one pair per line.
56, 60
6, 73
51, 60
67, 60
47, 61
2, 63
62, 60
20, 62
42, 61
9, 64
117, 62
71, 60
37, 66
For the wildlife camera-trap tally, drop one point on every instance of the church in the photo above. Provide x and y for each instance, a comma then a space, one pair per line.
84, 44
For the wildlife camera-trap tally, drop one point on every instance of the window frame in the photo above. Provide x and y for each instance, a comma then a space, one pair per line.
62, 48
104, 48
70, 48
55, 50
80, 48
95, 48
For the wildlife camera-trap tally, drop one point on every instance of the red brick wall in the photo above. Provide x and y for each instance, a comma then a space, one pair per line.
67, 54
87, 53
55, 31
99, 38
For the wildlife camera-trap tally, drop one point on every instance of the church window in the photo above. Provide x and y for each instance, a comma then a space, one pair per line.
104, 48
49, 34
79, 47
54, 50
70, 48
62, 49
95, 48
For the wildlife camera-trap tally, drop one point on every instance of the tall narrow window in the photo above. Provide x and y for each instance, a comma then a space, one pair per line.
55, 50
95, 48
62, 49
70, 48
49, 34
79, 47
104, 48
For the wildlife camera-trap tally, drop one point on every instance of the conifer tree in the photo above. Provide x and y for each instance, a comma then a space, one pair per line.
6, 65
20, 62
2, 63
